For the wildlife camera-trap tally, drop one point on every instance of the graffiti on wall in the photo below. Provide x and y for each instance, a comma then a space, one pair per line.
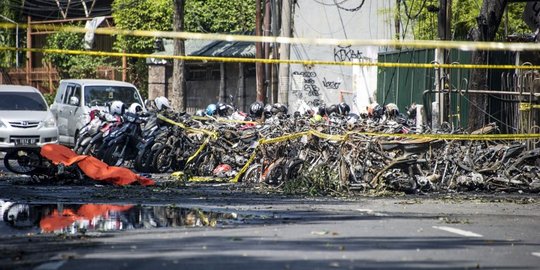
309, 88
331, 84
346, 53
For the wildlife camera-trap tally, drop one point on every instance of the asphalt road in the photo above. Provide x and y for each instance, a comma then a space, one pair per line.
408, 232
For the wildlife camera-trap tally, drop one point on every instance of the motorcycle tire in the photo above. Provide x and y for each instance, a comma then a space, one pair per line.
24, 161
162, 159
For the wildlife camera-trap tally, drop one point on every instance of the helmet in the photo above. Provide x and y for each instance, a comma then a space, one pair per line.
321, 110
135, 108
352, 118
331, 110
267, 111
279, 108
162, 103
316, 118
222, 170
412, 111
199, 113
375, 110
223, 109
256, 109
392, 110
343, 108
211, 109
117, 107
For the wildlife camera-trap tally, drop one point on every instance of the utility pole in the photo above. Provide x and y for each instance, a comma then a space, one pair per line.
266, 32
259, 67
178, 97
284, 54
275, 50
441, 107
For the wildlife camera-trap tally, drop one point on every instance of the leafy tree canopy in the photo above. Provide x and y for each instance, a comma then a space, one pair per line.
72, 66
422, 17
215, 16
7, 35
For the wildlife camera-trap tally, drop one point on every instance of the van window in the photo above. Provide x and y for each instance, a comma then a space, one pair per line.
104, 95
73, 91
67, 94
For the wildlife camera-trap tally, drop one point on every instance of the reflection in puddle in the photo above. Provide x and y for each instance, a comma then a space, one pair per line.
17, 218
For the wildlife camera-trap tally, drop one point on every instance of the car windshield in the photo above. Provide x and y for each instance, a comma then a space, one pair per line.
103, 95
22, 101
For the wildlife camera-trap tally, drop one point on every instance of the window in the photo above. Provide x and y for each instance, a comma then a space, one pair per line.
104, 95
22, 101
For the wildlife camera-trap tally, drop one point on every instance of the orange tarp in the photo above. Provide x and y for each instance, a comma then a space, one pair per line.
93, 167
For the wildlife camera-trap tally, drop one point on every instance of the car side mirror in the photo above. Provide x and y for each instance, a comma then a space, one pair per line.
74, 101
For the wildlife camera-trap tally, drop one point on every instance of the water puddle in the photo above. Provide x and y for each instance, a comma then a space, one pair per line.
22, 218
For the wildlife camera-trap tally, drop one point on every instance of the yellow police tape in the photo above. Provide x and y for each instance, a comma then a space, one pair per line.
443, 44
528, 106
346, 136
188, 129
225, 120
271, 61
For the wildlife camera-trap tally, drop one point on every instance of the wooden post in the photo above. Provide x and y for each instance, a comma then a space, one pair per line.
124, 67
241, 87
28, 53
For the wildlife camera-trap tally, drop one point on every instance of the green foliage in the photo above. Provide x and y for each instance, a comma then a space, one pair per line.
464, 13
200, 16
7, 35
49, 97
141, 15
72, 66
220, 16
321, 180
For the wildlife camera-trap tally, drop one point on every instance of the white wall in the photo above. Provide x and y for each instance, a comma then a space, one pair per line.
324, 19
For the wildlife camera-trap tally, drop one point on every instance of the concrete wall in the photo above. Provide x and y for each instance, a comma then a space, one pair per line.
326, 19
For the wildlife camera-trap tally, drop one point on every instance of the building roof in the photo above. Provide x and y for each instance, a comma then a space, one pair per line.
206, 48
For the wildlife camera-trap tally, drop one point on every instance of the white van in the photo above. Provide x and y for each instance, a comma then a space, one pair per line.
75, 98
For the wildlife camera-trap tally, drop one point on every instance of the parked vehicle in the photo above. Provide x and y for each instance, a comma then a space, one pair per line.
25, 118
75, 98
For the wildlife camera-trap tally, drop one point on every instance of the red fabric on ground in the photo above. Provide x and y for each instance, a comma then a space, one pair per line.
93, 167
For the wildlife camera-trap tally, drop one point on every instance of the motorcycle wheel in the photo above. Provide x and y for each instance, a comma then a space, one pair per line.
113, 156
252, 174
205, 164
24, 161
143, 160
162, 159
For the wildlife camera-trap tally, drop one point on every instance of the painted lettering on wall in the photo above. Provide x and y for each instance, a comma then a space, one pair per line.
310, 88
330, 84
346, 53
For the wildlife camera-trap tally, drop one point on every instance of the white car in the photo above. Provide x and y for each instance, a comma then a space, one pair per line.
75, 98
25, 118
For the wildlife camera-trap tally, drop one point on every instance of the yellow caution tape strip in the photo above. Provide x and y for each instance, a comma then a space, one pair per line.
443, 44
272, 61
528, 106
188, 129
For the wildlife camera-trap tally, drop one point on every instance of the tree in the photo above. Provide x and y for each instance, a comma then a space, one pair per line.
199, 16
140, 15
179, 81
7, 35
488, 22
72, 66
421, 17
219, 16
